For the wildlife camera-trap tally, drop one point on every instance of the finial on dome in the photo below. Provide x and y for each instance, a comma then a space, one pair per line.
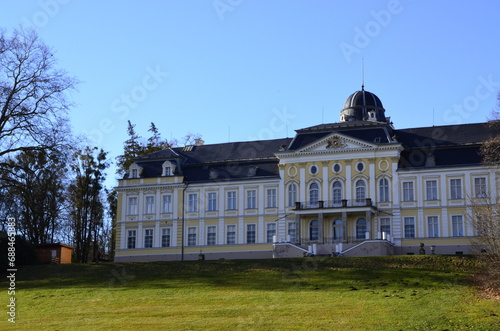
363, 74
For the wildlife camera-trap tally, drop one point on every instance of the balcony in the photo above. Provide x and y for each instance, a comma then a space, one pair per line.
334, 204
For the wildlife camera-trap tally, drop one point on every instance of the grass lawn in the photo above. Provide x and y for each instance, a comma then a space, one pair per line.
382, 293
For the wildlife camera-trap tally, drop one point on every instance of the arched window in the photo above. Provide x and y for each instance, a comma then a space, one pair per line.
384, 190
313, 195
360, 192
314, 230
361, 228
337, 193
292, 194
338, 230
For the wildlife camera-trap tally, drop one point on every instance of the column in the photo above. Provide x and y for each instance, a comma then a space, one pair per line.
326, 183
302, 185
372, 189
348, 180
157, 236
123, 236
140, 235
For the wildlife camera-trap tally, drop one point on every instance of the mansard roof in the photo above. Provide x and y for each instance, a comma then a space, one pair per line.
436, 146
443, 146
229, 161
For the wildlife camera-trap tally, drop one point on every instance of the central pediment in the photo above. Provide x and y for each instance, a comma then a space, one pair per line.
336, 142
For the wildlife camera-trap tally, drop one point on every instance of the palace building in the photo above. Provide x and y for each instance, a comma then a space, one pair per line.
352, 188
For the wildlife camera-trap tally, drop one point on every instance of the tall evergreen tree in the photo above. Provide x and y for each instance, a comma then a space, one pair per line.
132, 148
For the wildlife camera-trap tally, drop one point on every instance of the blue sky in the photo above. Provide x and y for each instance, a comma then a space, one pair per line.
237, 70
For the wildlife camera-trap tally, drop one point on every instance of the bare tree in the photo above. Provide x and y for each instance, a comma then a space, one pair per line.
37, 194
485, 214
33, 96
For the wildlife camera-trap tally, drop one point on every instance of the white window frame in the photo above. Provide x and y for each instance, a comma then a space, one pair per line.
432, 226
314, 194
457, 225
251, 229
231, 234
385, 225
292, 194
149, 204
271, 231
409, 227
131, 234
192, 236
480, 187
211, 235
192, 202
132, 207
212, 201
408, 191
384, 193
456, 189
231, 200
166, 237
271, 198
431, 190
251, 199
360, 192
337, 193
149, 238
167, 203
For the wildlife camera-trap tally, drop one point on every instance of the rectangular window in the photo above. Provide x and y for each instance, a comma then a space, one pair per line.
292, 231
385, 225
132, 206
135, 173
165, 237
211, 235
148, 238
212, 201
480, 187
231, 234
271, 198
431, 190
456, 188
457, 223
409, 227
192, 202
408, 191
231, 200
251, 234
432, 226
167, 204
251, 199
131, 236
271, 232
150, 205
191, 236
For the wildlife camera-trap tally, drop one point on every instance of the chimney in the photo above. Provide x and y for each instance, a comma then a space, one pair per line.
199, 142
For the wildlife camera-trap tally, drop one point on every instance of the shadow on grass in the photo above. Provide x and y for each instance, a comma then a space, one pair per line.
349, 274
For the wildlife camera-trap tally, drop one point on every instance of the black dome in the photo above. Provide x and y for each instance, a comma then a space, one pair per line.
363, 106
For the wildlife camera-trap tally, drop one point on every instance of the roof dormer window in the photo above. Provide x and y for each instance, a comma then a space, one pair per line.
168, 168
135, 171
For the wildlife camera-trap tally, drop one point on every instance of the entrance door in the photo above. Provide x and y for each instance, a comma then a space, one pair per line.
338, 230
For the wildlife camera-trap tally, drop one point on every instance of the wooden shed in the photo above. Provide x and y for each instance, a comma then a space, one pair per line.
54, 253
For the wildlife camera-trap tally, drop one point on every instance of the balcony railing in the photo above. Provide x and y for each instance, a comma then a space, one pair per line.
334, 204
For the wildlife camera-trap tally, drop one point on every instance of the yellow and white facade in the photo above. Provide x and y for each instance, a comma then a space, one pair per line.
357, 187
